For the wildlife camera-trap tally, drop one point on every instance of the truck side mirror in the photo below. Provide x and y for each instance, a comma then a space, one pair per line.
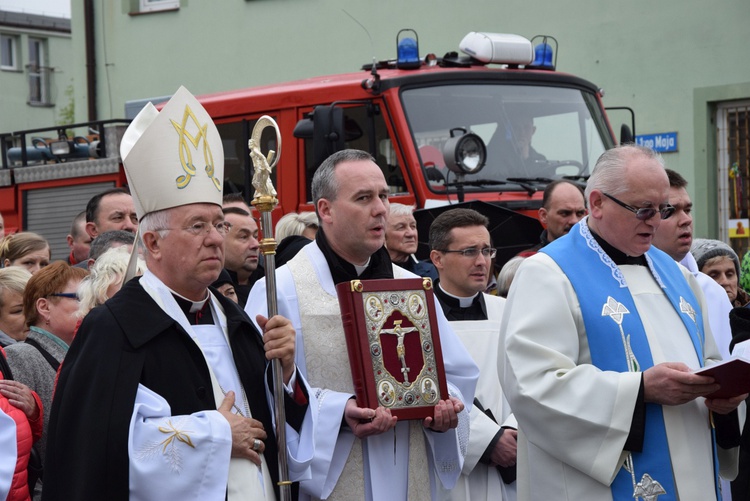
626, 136
328, 132
325, 126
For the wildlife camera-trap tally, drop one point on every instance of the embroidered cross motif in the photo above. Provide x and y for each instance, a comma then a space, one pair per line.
614, 310
686, 307
648, 489
168, 446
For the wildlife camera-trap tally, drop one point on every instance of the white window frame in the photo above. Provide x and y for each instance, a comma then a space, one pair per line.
39, 71
157, 5
13, 52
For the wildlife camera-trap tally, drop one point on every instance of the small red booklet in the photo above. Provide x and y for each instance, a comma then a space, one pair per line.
733, 374
394, 345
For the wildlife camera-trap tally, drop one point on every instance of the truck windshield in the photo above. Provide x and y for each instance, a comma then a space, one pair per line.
531, 132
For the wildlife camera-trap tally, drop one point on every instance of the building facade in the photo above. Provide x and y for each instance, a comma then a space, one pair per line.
680, 66
36, 74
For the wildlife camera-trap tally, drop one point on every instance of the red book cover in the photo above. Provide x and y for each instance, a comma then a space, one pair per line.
394, 345
732, 374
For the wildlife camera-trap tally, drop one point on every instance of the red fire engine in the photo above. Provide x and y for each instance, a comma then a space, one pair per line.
495, 123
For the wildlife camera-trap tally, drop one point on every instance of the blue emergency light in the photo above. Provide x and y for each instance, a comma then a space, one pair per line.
544, 54
408, 50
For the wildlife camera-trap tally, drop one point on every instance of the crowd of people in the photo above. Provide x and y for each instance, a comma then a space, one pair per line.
137, 368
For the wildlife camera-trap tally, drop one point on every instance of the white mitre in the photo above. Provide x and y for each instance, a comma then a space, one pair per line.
173, 157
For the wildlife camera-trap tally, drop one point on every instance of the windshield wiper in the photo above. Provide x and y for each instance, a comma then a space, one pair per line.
476, 182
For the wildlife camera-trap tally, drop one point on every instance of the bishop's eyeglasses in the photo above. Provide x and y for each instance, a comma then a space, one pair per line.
202, 228
644, 213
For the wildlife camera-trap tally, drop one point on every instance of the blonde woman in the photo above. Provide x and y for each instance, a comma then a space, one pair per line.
304, 223
294, 231
25, 249
105, 279
12, 320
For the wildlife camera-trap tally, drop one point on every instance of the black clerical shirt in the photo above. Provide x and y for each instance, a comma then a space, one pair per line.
455, 312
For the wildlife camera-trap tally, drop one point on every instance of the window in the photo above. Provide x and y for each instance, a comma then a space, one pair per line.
364, 129
157, 5
39, 72
733, 156
8, 52
530, 131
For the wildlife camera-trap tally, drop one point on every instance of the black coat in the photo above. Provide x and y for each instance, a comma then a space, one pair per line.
130, 340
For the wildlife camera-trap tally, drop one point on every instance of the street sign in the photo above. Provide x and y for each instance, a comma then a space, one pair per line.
663, 142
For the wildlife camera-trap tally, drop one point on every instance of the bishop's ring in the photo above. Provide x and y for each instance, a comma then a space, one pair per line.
256, 445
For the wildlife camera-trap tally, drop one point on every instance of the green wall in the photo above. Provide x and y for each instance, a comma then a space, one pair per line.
668, 60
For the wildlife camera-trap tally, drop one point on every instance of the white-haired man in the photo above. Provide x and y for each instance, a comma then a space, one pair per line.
600, 338
162, 394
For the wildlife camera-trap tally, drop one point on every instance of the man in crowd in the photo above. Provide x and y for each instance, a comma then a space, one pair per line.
563, 205
401, 240
111, 210
599, 339
78, 240
363, 453
241, 251
675, 237
461, 251
162, 394
104, 242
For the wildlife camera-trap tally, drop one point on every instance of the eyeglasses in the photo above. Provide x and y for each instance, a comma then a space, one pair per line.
71, 295
203, 228
645, 213
473, 252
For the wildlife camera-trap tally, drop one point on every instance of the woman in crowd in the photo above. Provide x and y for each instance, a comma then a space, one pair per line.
294, 231
304, 224
12, 322
225, 286
719, 261
507, 273
25, 249
105, 279
20, 427
50, 304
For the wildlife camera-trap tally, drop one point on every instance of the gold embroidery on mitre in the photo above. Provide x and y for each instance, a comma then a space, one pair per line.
168, 446
186, 155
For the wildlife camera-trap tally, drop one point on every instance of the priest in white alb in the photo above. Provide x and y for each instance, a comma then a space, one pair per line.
600, 338
363, 453
461, 250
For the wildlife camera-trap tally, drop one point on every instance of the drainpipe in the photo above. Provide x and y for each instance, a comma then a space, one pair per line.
88, 15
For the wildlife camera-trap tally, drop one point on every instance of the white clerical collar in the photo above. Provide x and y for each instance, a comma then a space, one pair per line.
464, 302
360, 269
195, 305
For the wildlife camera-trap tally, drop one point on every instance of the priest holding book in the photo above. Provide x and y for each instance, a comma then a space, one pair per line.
363, 453
600, 338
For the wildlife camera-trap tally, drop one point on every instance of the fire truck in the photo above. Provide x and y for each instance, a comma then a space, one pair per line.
494, 122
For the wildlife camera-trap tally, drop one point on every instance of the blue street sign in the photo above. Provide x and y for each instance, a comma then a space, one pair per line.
663, 142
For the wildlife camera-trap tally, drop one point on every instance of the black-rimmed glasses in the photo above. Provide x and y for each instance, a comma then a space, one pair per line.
644, 213
473, 252
71, 295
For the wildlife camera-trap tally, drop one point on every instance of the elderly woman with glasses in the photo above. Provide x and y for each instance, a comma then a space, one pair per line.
50, 305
